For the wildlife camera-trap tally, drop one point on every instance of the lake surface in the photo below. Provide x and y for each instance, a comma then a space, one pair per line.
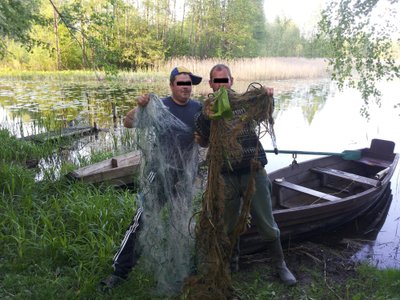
310, 115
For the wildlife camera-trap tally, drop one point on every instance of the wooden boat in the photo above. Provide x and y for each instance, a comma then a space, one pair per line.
117, 171
308, 198
322, 194
69, 132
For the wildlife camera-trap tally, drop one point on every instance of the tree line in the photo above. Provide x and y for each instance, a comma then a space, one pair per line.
140, 34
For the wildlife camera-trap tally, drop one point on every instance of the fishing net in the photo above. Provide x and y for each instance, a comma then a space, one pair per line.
251, 111
167, 178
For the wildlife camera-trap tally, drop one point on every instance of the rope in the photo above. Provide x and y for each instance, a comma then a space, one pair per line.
213, 243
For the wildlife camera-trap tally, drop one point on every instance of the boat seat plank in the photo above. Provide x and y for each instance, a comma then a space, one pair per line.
370, 161
305, 190
346, 175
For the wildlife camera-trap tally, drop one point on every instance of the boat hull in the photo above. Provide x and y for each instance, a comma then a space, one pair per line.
300, 215
117, 171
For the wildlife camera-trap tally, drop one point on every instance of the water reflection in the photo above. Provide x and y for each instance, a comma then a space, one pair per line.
31, 107
310, 115
361, 236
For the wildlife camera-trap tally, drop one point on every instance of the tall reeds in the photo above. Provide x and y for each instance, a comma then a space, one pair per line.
260, 68
247, 69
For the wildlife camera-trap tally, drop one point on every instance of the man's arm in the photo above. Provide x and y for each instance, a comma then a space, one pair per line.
130, 116
203, 142
202, 125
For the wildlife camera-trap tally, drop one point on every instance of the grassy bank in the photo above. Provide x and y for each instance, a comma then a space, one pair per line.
57, 239
248, 69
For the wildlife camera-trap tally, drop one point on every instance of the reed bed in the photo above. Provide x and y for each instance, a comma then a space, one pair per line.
244, 69
260, 68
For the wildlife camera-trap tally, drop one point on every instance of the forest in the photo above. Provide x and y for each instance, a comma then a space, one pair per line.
359, 38
133, 35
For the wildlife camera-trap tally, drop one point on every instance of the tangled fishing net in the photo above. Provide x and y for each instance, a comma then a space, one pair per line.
251, 111
166, 191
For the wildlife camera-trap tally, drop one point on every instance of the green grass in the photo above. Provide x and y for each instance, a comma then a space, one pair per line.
57, 237
57, 240
60, 238
375, 284
366, 283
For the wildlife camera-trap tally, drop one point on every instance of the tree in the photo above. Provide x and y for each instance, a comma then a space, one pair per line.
16, 19
245, 34
360, 35
225, 28
284, 38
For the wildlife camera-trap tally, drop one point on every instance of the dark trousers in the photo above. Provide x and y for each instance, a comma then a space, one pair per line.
128, 254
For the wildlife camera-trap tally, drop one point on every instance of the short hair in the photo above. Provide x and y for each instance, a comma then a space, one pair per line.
220, 67
172, 80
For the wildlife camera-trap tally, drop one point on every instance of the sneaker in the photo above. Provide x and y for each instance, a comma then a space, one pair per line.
110, 282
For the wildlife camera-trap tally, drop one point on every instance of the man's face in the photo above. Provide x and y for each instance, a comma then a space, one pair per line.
220, 78
181, 88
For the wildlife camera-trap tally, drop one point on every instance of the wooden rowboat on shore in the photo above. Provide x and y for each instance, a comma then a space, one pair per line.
117, 171
322, 194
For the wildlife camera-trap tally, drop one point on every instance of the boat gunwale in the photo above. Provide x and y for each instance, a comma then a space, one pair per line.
384, 182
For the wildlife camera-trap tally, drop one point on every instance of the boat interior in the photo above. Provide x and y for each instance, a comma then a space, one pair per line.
333, 179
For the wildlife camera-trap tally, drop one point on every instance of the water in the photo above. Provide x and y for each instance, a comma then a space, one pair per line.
334, 125
310, 116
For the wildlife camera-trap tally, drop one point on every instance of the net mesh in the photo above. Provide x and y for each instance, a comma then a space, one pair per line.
168, 173
213, 244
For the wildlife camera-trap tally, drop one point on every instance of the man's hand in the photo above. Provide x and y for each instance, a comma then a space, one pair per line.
269, 91
143, 100
200, 140
208, 111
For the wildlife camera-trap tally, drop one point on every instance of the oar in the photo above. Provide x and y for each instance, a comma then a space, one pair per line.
346, 155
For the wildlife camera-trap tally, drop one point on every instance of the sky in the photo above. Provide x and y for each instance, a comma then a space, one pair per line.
304, 13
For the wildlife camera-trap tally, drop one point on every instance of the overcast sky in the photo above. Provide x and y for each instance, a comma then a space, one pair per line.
304, 13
